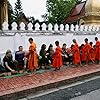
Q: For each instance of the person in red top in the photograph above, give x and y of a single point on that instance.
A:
(92, 53)
(76, 53)
(97, 50)
(82, 53)
(57, 57)
(86, 50)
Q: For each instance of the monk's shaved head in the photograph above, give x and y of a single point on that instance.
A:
(30, 39)
(74, 40)
(96, 38)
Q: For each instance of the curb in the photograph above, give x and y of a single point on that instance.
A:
(24, 93)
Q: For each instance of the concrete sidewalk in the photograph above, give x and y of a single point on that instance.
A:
(15, 87)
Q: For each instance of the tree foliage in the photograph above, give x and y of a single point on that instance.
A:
(58, 10)
(17, 10)
(10, 14)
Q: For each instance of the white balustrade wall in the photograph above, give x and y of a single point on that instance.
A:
(11, 39)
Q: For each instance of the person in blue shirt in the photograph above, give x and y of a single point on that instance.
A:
(20, 58)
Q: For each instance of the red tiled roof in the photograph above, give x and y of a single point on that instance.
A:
(77, 12)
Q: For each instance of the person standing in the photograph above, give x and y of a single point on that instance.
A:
(32, 56)
(97, 50)
(87, 48)
(57, 57)
(82, 54)
(76, 53)
(75, 43)
(92, 53)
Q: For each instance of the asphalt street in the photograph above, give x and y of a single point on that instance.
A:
(83, 90)
(94, 95)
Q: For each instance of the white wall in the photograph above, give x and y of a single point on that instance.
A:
(40, 36)
(12, 42)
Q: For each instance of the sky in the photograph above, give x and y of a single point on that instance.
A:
(34, 8)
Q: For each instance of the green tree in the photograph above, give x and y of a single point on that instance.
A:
(10, 14)
(58, 10)
(17, 10)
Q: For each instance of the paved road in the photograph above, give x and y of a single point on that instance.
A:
(94, 95)
(84, 89)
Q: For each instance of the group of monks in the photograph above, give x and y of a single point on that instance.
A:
(84, 54)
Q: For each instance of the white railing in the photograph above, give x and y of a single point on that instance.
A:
(48, 34)
(76, 29)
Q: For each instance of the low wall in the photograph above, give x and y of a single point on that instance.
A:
(12, 42)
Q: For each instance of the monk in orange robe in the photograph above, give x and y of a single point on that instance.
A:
(76, 53)
(33, 57)
(82, 53)
(86, 49)
(76, 44)
(92, 53)
(97, 50)
(57, 57)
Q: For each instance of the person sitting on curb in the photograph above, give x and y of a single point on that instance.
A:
(21, 59)
(8, 62)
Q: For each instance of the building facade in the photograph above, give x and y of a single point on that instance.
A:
(87, 13)
(3, 11)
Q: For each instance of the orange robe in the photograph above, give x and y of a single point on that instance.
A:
(83, 57)
(57, 58)
(76, 54)
(97, 51)
(33, 57)
(76, 44)
(86, 49)
(92, 54)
